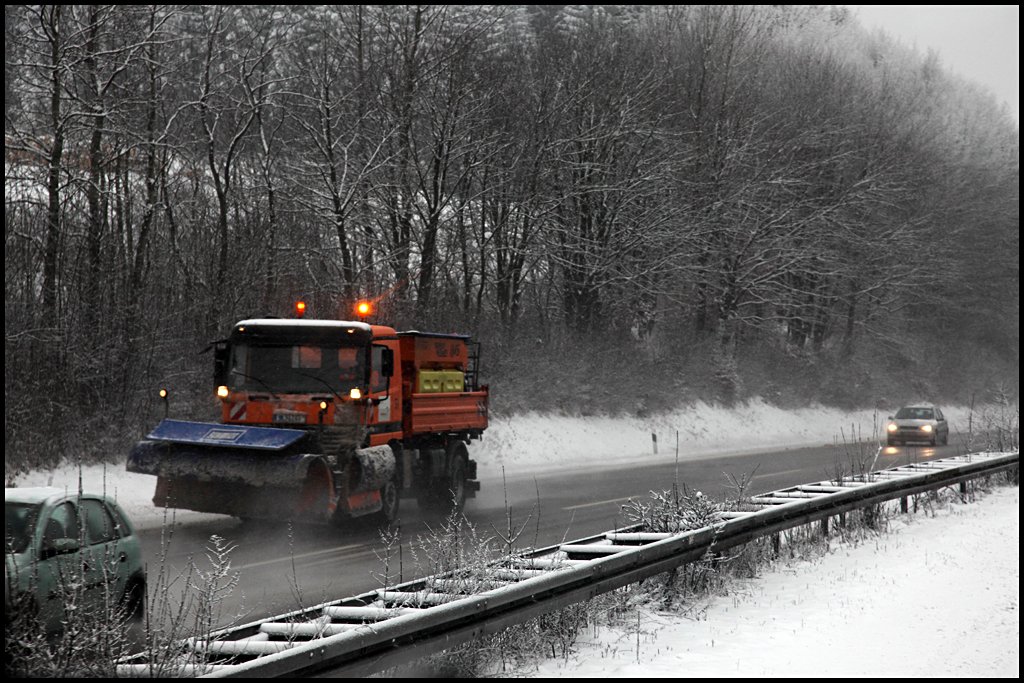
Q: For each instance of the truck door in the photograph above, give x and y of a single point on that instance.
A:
(385, 392)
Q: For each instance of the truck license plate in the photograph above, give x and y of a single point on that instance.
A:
(290, 418)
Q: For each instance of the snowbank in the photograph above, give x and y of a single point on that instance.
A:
(547, 442)
(939, 596)
(536, 443)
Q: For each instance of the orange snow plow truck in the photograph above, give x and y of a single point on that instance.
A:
(324, 421)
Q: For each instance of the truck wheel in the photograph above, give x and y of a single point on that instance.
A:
(389, 499)
(455, 491)
(447, 494)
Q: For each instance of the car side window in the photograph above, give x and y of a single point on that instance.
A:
(121, 527)
(99, 525)
(62, 523)
(938, 415)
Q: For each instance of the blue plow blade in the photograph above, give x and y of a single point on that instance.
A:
(233, 436)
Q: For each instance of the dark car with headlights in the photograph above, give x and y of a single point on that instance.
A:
(69, 551)
(917, 423)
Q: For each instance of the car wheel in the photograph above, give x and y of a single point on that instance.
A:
(21, 625)
(134, 600)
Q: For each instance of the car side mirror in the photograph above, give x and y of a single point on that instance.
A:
(60, 546)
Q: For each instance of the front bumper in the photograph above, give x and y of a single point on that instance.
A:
(905, 434)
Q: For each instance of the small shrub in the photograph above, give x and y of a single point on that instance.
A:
(673, 511)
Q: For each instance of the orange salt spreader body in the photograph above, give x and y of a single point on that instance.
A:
(326, 420)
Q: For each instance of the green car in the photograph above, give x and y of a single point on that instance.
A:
(69, 554)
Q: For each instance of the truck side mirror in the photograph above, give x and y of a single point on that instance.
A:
(221, 356)
(387, 363)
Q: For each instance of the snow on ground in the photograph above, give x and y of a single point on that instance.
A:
(938, 596)
(546, 442)
(533, 443)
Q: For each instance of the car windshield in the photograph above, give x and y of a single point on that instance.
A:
(915, 414)
(20, 522)
(297, 369)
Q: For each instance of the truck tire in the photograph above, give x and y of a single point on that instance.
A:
(455, 490)
(447, 494)
(390, 499)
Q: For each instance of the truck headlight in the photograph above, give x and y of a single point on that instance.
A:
(222, 391)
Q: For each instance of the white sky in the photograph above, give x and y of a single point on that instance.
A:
(979, 42)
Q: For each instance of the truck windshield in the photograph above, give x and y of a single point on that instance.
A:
(297, 369)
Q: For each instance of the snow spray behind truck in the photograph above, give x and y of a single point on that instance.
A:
(326, 420)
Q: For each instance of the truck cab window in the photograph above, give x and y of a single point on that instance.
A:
(306, 357)
(378, 382)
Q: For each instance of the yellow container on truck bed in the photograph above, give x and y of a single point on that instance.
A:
(440, 381)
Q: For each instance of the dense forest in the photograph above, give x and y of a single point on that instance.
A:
(632, 207)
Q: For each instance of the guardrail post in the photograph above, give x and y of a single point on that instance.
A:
(870, 514)
(776, 545)
(904, 507)
(963, 490)
(824, 528)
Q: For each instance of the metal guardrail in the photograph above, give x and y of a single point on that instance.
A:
(386, 628)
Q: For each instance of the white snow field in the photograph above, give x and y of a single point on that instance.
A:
(938, 596)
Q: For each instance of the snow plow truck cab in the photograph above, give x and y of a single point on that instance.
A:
(325, 420)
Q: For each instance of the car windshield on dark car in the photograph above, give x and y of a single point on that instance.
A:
(915, 414)
(19, 523)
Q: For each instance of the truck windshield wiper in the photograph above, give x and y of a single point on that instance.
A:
(322, 381)
(258, 381)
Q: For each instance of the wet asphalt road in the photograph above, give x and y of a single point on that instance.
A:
(280, 568)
